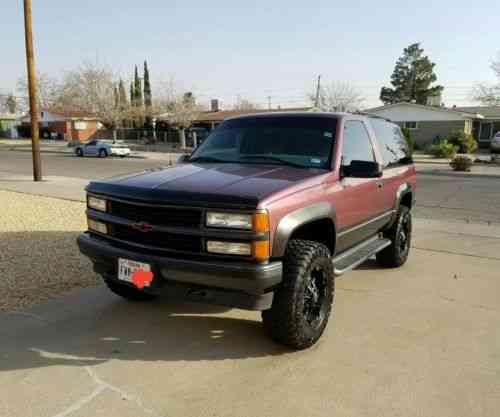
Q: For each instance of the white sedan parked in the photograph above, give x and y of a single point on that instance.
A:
(102, 149)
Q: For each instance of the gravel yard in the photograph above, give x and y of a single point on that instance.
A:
(39, 258)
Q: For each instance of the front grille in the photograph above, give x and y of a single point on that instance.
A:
(161, 240)
(161, 216)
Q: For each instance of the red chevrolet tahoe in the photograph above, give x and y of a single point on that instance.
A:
(262, 216)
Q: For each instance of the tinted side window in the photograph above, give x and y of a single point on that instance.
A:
(392, 144)
(357, 145)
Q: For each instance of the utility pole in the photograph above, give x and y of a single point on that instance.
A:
(30, 61)
(318, 90)
(269, 102)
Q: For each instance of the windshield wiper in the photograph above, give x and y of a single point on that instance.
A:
(273, 158)
(208, 159)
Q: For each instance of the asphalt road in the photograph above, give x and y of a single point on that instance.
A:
(71, 166)
(440, 194)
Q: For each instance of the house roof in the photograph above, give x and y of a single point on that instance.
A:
(455, 111)
(489, 112)
(219, 116)
(71, 113)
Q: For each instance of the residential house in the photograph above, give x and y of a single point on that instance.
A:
(210, 119)
(66, 124)
(484, 129)
(428, 123)
(8, 125)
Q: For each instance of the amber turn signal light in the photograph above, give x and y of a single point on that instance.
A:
(261, 222)
(260, 250)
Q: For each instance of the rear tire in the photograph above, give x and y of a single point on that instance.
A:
(303, 303)
(396, 254)
(127, 292)
(103, 153)
(79, 152)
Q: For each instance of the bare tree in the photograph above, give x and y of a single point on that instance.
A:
(90, 88)
(489, 94)
(9, 104)
(47, 89)
(182, 115)
(165, 94)
(338, 96)
(178, 107)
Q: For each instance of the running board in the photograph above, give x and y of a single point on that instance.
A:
(351, 258)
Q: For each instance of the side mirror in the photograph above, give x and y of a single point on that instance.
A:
(362, 169)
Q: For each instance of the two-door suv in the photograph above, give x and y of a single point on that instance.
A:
(262, 216)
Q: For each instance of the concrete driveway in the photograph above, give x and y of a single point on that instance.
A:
(423, 340)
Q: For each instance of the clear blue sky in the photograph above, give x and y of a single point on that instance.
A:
(257, 48)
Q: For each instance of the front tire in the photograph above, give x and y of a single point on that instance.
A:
(396, 254)
(103, 153)
(79, 152)
(127, 292)
(303, 303)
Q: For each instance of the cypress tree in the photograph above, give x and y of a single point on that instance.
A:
(148, 101)
(132, 98)
(122, 95)
(137, 89)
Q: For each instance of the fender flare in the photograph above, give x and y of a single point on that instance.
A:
(404, 189)
(293, 220)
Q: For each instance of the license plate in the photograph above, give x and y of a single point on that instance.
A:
(127, 267)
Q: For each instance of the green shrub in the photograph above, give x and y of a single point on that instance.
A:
(443, 149)
(465, 142)
(409, 140)
(461, 163)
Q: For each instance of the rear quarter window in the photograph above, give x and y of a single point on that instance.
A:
(392, 144)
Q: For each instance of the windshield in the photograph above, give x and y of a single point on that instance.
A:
(303, 141)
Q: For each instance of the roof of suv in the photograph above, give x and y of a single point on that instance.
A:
(289, 114)
(325, 115)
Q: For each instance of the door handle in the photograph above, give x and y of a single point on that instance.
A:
(380, 184)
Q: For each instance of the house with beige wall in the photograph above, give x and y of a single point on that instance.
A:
(427, 123)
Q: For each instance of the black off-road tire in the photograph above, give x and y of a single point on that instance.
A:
(287, 320)
(79, 152)
(396, 254)
(103, 153)
(127, 292)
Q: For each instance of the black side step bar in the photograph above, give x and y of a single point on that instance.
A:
(351, 258)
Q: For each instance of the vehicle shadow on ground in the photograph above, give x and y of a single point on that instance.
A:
(162, 330)
(91, 325)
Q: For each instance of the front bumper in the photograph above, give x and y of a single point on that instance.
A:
(120, 152)
(234, 284)
(495, 146)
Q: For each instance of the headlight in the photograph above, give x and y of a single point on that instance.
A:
(96, 203)
(229, 248)
(229, 220)
(97, 226)
(258, 222)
